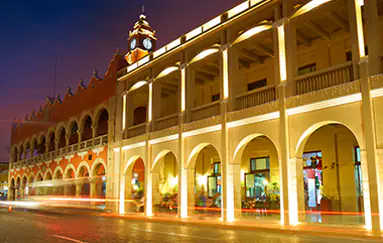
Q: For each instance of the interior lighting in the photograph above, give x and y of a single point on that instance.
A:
(308, 7)
(193, 33)
(225, 62)
(137, 85)
(238, 9)
(204, 54)
(167, 71)
(282, 53)
(214, 22)
(201, 180)
(263, 26)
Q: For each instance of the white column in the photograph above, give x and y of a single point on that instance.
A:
(148, 156)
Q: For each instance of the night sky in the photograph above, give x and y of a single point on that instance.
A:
(84, 35)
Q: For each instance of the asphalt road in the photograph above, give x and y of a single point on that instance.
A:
(20, 226)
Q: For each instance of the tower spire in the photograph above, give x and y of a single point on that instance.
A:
(143, 9)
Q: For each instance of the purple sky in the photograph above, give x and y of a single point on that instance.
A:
(84, 36)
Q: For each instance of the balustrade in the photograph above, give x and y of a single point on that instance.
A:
(255, 97)
(167, 121)
(325, 78)
(205, 111)
(136, 130)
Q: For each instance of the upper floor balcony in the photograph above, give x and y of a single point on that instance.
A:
(321, 54)
(75, 135)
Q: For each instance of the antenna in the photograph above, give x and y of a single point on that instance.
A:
(143, 9)
(54, 78)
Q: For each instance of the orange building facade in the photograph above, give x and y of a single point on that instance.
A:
(62, 149)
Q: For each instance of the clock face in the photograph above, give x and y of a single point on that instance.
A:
(133, 44)
(148, 44)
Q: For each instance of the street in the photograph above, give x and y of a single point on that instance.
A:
(22, 226)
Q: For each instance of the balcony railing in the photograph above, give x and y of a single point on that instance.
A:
(101, 140)
(136, 130)
(325, 78)
(255, 97)
(205, 111)
(167, 121)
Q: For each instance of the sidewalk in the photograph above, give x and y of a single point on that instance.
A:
(301, 229)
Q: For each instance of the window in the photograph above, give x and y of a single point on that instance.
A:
(307, 69)
(257, 180)
(215, 97)
(358, 173)
(214, 182)
(312, 177)
(257, 84)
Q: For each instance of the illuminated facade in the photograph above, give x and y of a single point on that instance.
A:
(269, 111)
(62, 149)
(266, 112)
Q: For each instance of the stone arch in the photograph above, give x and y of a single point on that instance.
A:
(99, 109)
(71, 120)
(86, 127)
(162, 154)
(24, 181)
(84, 115)
(61, 135)
(51, 139)
(196, 150)
(101, 122)
(71, 130)
(15, 153)
(131, 161)
(96, 163)
(21, 151)
(31, 177)
(48, 173)
(82, 165)
(67, 169)
(18, 181)
(39, 176)
(34, 144)
(311, 129)
(245, 141)
(57, 170)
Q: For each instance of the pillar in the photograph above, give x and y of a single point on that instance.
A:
(190, 172)
(94, 132)
(79, 184)
(156, 103)
(373, 198)
(373, 37)
(148, 154)
(93, 187)
(237, 190)
(353, 20)
(190, 92)
(79, 133)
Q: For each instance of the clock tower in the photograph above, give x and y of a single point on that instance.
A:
(141, 41)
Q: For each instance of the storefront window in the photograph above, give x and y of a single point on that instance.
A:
(313, 180)
(214, 183)
(256, 181)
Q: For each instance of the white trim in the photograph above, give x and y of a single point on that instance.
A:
(202, 130)
(254, 119)
(132, 146)
(164, 139)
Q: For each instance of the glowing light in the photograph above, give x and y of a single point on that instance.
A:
(135, 187)
(132, 146)
(204, 54)
(143, 61)
(254, 2)
(225, 67)
(137, 85)
(293, 194)
(116, 150)
(104, 178)
(325, 104)
(282, 53)
(265, 182)
(124, 112)
(148, 195)
(238, 9)
(253, 31)
(159, 52)
(132, 67)
(361, 2)
(173, 44)
(308, 7)
(201, 180)
(164, 139)
(359, 27)
(167, 71)
(184, 194)
(214, 22)
(193, 33)
(183, 89)
(255, 119)
(202, 131)
(150, 105)
(122, 195)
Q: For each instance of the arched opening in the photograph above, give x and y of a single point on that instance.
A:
(51, 145)
(41, 148)
(21, 155)
(18, 184)
(48, 189)
(27, 150)
(330, 178)
(31, 188)
(205, 183)
(24, 187)
(59, 189)
(165, 185)
(102, 128)
(259, 180)
(62, 138)
(73, 135)
(70, 187)
(134, 186)
(100, 183)
(12, 189)
(34, 147)
(15, 154)
(85, 186)
(87, 132)
(139, 115)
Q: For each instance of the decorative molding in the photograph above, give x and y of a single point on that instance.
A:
(376, 81)
(69, 157)
(98, 150)
(164, 132)
(82, 154)
(204, 123)
(324, 94)
(253, 111)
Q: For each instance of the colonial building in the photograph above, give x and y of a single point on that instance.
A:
(61, 149)
(267, 112)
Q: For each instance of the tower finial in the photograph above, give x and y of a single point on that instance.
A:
(143, 9)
